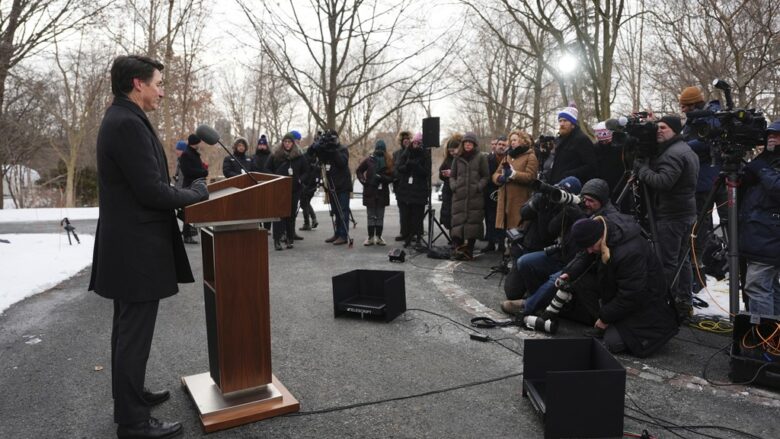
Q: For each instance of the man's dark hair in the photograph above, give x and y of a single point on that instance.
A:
(126, 68)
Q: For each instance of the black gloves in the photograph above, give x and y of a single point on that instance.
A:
(199, 186)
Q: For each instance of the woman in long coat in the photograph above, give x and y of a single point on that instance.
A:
(468, 178)
(514, 176)
(375, 173)
(445, 169)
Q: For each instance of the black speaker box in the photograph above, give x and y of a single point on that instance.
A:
(378, 294)
(750, 358)
(431, 132)
(576, 385)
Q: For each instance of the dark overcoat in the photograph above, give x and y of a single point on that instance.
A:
(412, 171)
(468, 180)
(138, 254)
(376, 183)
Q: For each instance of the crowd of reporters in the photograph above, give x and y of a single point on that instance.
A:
(566, 212)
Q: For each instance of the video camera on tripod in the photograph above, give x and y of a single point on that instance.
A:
(739, 132)
(635, 133)
(325, 142)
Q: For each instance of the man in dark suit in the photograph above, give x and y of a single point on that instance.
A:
(139, 256)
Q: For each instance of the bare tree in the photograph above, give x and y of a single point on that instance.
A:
(338, 48)
(76, 101)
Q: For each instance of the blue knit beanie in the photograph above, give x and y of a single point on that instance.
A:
(571, 185)
(181, 145)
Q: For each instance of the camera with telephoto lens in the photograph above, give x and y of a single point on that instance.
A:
(739, 132)
(634, 133)
(554, 193)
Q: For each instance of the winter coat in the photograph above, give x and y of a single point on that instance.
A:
(376, 182)
(560, 227)
(515, 192)
(231, 168)
(311, 180)
(491, 204)
(291, 164)
(634, 295)
(445, 214)
(671, 180)
(537, 214)
(139, 254)
(610, 167)
(574, 157)
(336, 164)
(259, 160)
(412, 172)
(759, 212)
(468, 180)
(708, 172)
(192, 167)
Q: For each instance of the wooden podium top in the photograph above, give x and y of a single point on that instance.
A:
(239, 200)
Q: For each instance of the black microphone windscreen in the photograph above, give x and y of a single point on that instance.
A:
(612, 124)
(207, 134)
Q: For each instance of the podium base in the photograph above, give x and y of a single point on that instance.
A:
(219, 411)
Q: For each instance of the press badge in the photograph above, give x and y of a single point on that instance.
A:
(289, 171)
(411, 179)
(380, 186)
(327, 167)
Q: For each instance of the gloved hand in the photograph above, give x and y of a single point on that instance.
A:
(501, 179)
(756, 166)
(508, 171)
(640, 163)
(562, 282)
(199, 186)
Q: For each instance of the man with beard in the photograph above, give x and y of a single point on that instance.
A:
(573, 155)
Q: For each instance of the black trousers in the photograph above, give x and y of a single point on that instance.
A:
(286, 226)
(412, 216)
(131, 341)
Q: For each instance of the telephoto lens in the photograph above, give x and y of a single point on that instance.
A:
(535, 323)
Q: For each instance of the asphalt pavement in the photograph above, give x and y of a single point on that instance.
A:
(418, 376)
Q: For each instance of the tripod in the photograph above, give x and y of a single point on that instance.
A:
(729, 176)
(503, 267)
(632, 182)
(338, 214)
(430, 212)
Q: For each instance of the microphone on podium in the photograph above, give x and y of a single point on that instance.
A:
(211, 137)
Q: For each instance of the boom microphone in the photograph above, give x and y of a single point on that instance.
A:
(211, 137)
(616, 124)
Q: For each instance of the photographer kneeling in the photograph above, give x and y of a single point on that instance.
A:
(635, 314)
(535, 268)
(759, 227)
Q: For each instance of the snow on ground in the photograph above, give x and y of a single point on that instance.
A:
(33, 263)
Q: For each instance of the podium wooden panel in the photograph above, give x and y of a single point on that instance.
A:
(239, 387)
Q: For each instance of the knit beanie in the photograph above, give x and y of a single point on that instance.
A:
(596, 188)
(691, 95)
(674, 123)
(470, 136)
(570, 114)
(193, 139)
(181, 145)
(379, 145)
(774, 127)
(262, 140)
(571, 185)
(587, 231)
(296, 135)
(289, 136)
(603, 135)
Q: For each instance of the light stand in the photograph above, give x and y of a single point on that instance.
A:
(431, 212)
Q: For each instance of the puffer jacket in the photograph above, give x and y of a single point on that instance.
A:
(759, 212)
(468, 180)
(671, 179)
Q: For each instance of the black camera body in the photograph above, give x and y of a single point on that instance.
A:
(325, 142)
(635, 132)
(740, 129)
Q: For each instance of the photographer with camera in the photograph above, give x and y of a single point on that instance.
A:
(670, 177)
(635, 314)
(537, 269)
(573, 154)
(700, 118)
(759, 227)
(334, 158)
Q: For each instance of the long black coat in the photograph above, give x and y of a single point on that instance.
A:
(292, 164)
(468, 180)
(445, 216)
(412, 171)
(191, 166)
(574, 157)
(139, 254)
(633, 289)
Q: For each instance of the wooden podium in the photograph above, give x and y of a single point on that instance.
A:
(239, 387)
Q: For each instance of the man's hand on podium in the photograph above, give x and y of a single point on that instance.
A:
(199, 186)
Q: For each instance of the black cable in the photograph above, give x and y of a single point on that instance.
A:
(654, 418)
(722, 384)
(401, 398)
(693, 427)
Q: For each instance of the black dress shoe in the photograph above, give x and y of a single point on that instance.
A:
(149, 429)
(154, 398)
(298, 238)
